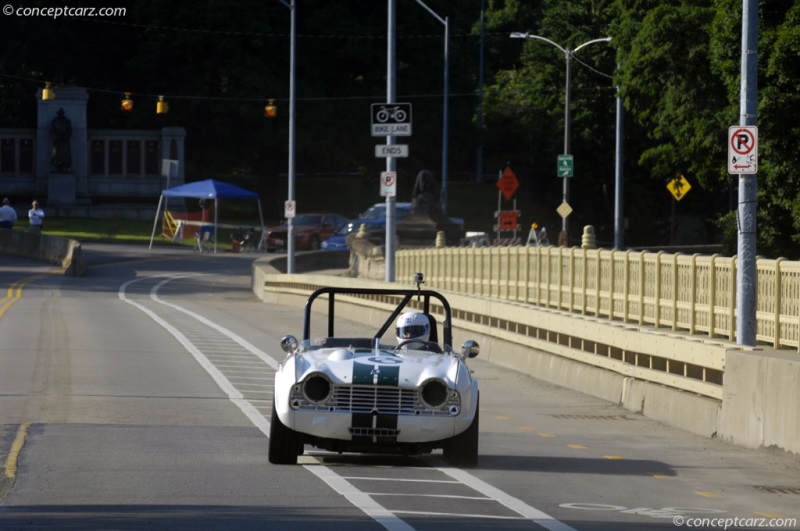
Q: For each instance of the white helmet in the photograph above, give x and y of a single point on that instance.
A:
(413, 325)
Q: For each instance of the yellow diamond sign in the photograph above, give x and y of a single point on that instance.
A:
(564, 209)
(679, 187)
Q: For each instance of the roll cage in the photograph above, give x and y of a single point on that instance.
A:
(405, 295)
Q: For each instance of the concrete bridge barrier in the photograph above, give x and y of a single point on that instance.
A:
(711, 387)
(63, 252)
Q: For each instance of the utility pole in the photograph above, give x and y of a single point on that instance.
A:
(746, 274)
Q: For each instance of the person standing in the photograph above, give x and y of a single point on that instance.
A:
(36, 217)
(8, 216)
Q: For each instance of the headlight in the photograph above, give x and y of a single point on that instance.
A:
(317, 388)
(434, 394)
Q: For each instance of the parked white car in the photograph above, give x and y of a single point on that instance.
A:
(370, 395)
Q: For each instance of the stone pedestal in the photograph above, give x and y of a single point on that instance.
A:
(61, 189)
(419, 227)
(72, 101)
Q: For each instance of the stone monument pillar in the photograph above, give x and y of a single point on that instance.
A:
(173, 140)
(61, 147)
(420, 227)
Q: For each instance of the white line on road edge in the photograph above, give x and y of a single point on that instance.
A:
(234, 395)
(516, 505)
(359, 499)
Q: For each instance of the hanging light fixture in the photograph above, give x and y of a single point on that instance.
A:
(162, 107)
(271, 110)
(127, 103)
(47, 92)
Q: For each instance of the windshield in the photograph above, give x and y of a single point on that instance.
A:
(345, 230)
(379, 211)
(375, 212)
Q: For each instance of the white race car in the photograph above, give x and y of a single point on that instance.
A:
(406, 397)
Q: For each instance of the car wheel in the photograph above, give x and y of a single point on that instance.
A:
(313, 243)
(462, 450)
(284, 444)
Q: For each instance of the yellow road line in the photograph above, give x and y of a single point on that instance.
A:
(16, 448)
(707, 494)
(14, 292)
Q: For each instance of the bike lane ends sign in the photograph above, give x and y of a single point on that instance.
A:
(391, 119)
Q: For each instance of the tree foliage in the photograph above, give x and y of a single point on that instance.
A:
(676, 65)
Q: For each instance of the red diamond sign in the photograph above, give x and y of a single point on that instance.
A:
(508, 183)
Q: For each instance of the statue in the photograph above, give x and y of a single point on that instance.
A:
(61, 130)
(425, 194)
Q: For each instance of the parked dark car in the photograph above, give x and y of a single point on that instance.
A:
(374, 218)
(310, 230)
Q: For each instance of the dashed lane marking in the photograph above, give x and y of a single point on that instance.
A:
(252, 409)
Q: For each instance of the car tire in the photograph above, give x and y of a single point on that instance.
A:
(462, 450)
(284, 444)
(313, 243)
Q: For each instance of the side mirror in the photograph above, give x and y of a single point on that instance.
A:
(288, 344)
(470, 349)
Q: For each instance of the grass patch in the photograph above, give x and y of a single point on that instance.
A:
(99, 230)
(474, 202)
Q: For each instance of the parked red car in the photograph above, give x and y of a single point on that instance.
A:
(310, 230)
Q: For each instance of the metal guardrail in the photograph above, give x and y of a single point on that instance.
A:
(691, 293)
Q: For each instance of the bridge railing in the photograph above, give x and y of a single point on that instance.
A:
(691, 293)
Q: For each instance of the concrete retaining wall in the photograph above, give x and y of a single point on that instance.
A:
(63, 252)
(759, 393)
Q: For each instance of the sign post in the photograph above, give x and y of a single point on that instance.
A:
(390, 119)
(508, 221)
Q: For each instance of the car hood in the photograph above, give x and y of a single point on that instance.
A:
(378, 366)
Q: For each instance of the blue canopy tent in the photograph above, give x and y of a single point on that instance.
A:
(208, 189)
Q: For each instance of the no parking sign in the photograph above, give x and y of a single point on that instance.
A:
(388, 184)
(743, 149)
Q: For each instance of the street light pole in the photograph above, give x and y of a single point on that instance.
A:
(290, 247)
(445, 130)
(567, 97)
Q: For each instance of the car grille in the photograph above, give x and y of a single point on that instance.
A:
(370, 399)
(367, 399)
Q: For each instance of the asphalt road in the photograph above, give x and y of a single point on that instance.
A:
(138, 397)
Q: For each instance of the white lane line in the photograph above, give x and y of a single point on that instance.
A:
(516, 505)
(361, 500)
(224, 331)
(400, 480)
(461, 515)
(234, 395)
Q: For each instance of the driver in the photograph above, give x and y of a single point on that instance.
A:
(413, 325)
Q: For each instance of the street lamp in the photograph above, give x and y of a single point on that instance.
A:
(568, 56)
(445, 22)
(292, 74)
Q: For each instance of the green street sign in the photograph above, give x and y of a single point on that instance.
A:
(565, 166)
